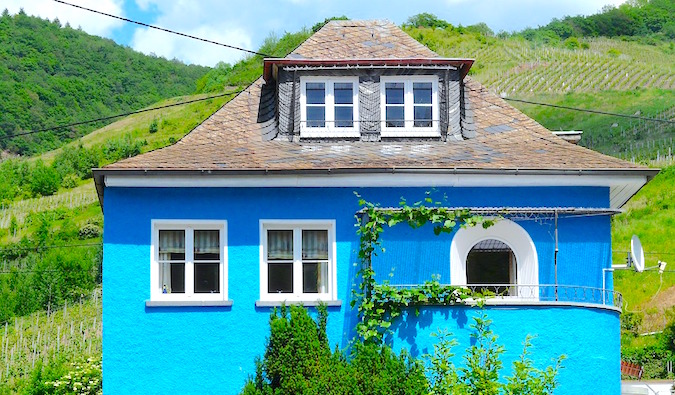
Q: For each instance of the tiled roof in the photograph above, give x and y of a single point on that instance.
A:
(231, 138)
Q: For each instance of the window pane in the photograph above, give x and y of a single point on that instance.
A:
(344, 117)
(207, 277)
(207, 245)
(394, 92)
(280, 278)
(316, 116)
(423, 116)
(176, 283)
(314, 244)
(315, 277)
(395, 116)
(344, 93)
(316, 93)
(171, 245)
(279, 244)
(422, 92)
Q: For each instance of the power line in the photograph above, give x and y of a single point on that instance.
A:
(115, 116)
(165, 30)
(50, 246)
(591, 111)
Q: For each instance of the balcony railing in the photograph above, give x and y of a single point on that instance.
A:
(544, 293)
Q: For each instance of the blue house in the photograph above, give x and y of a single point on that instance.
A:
(256, 207)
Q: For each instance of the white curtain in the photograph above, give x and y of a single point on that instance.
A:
(207, 242)
(171, 242)
(280, 244)
(314, 244)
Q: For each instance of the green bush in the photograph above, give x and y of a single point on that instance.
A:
(482, 366)
(77, 161)
(121, 148)
(83, 379)
(44, 180)
(153, 128)
(298, 360)
(70, 181)
(89, 231)
(571, 43)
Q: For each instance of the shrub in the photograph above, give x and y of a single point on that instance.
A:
(153, 126)
(631, 322)
(121, 148)
(571, 43)
(70, 181)
(298, 360)
(482, 366)
(84, 379)
(89, 231)
(44, 180)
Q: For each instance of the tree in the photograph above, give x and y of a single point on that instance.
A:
(44, 181)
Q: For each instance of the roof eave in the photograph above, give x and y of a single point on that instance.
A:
(101, 173)
(271, 65)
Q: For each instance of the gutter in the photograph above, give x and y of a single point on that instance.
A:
(101, 173)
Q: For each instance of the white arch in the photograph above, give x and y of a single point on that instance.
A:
(507, 232)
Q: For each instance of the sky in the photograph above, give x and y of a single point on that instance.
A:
(247, 23)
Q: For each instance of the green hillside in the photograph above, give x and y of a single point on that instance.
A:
(52, 75)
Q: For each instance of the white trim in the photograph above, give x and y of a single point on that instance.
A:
(329, 130)
(189, 295)
(409, 130)
(626, 185)
(509, 233)
(298, 296)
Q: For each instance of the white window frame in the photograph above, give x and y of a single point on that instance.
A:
(189, 226)
(298, 226)
(409, 130)
(330, 130)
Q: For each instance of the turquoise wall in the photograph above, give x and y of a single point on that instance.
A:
(211, 349)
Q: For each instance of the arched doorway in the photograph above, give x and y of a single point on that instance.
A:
(492, 262)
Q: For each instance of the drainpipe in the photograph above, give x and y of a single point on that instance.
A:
(604, 280)
(555, 255)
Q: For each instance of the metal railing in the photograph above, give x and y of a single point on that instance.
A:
(542, 293)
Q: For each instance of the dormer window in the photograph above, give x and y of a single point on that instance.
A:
(329, 107)
(409, 106)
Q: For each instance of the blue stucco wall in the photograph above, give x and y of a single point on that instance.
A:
(204, 350)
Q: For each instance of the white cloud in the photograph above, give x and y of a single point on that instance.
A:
(192, 51)
(206, 19)
(91, 23)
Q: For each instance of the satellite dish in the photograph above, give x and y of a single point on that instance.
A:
(637, 254)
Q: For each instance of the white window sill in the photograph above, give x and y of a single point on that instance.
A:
(324, 133)
(188, 303)
(306, 303)
(410, 133)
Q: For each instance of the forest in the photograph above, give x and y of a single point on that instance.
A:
(52, 75)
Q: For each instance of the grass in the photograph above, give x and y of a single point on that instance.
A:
(651, 216)
(71, 333)
(612, 135)
(172, 124)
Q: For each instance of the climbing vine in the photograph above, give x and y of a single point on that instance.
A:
(378, 304)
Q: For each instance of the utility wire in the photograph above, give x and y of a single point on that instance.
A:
(591, 111)
(50, 246)
(116, 116)
(166, 30)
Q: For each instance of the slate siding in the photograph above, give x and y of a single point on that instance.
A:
(452, 114)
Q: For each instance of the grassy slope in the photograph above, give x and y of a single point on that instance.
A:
(651, 216)
(173, 123)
